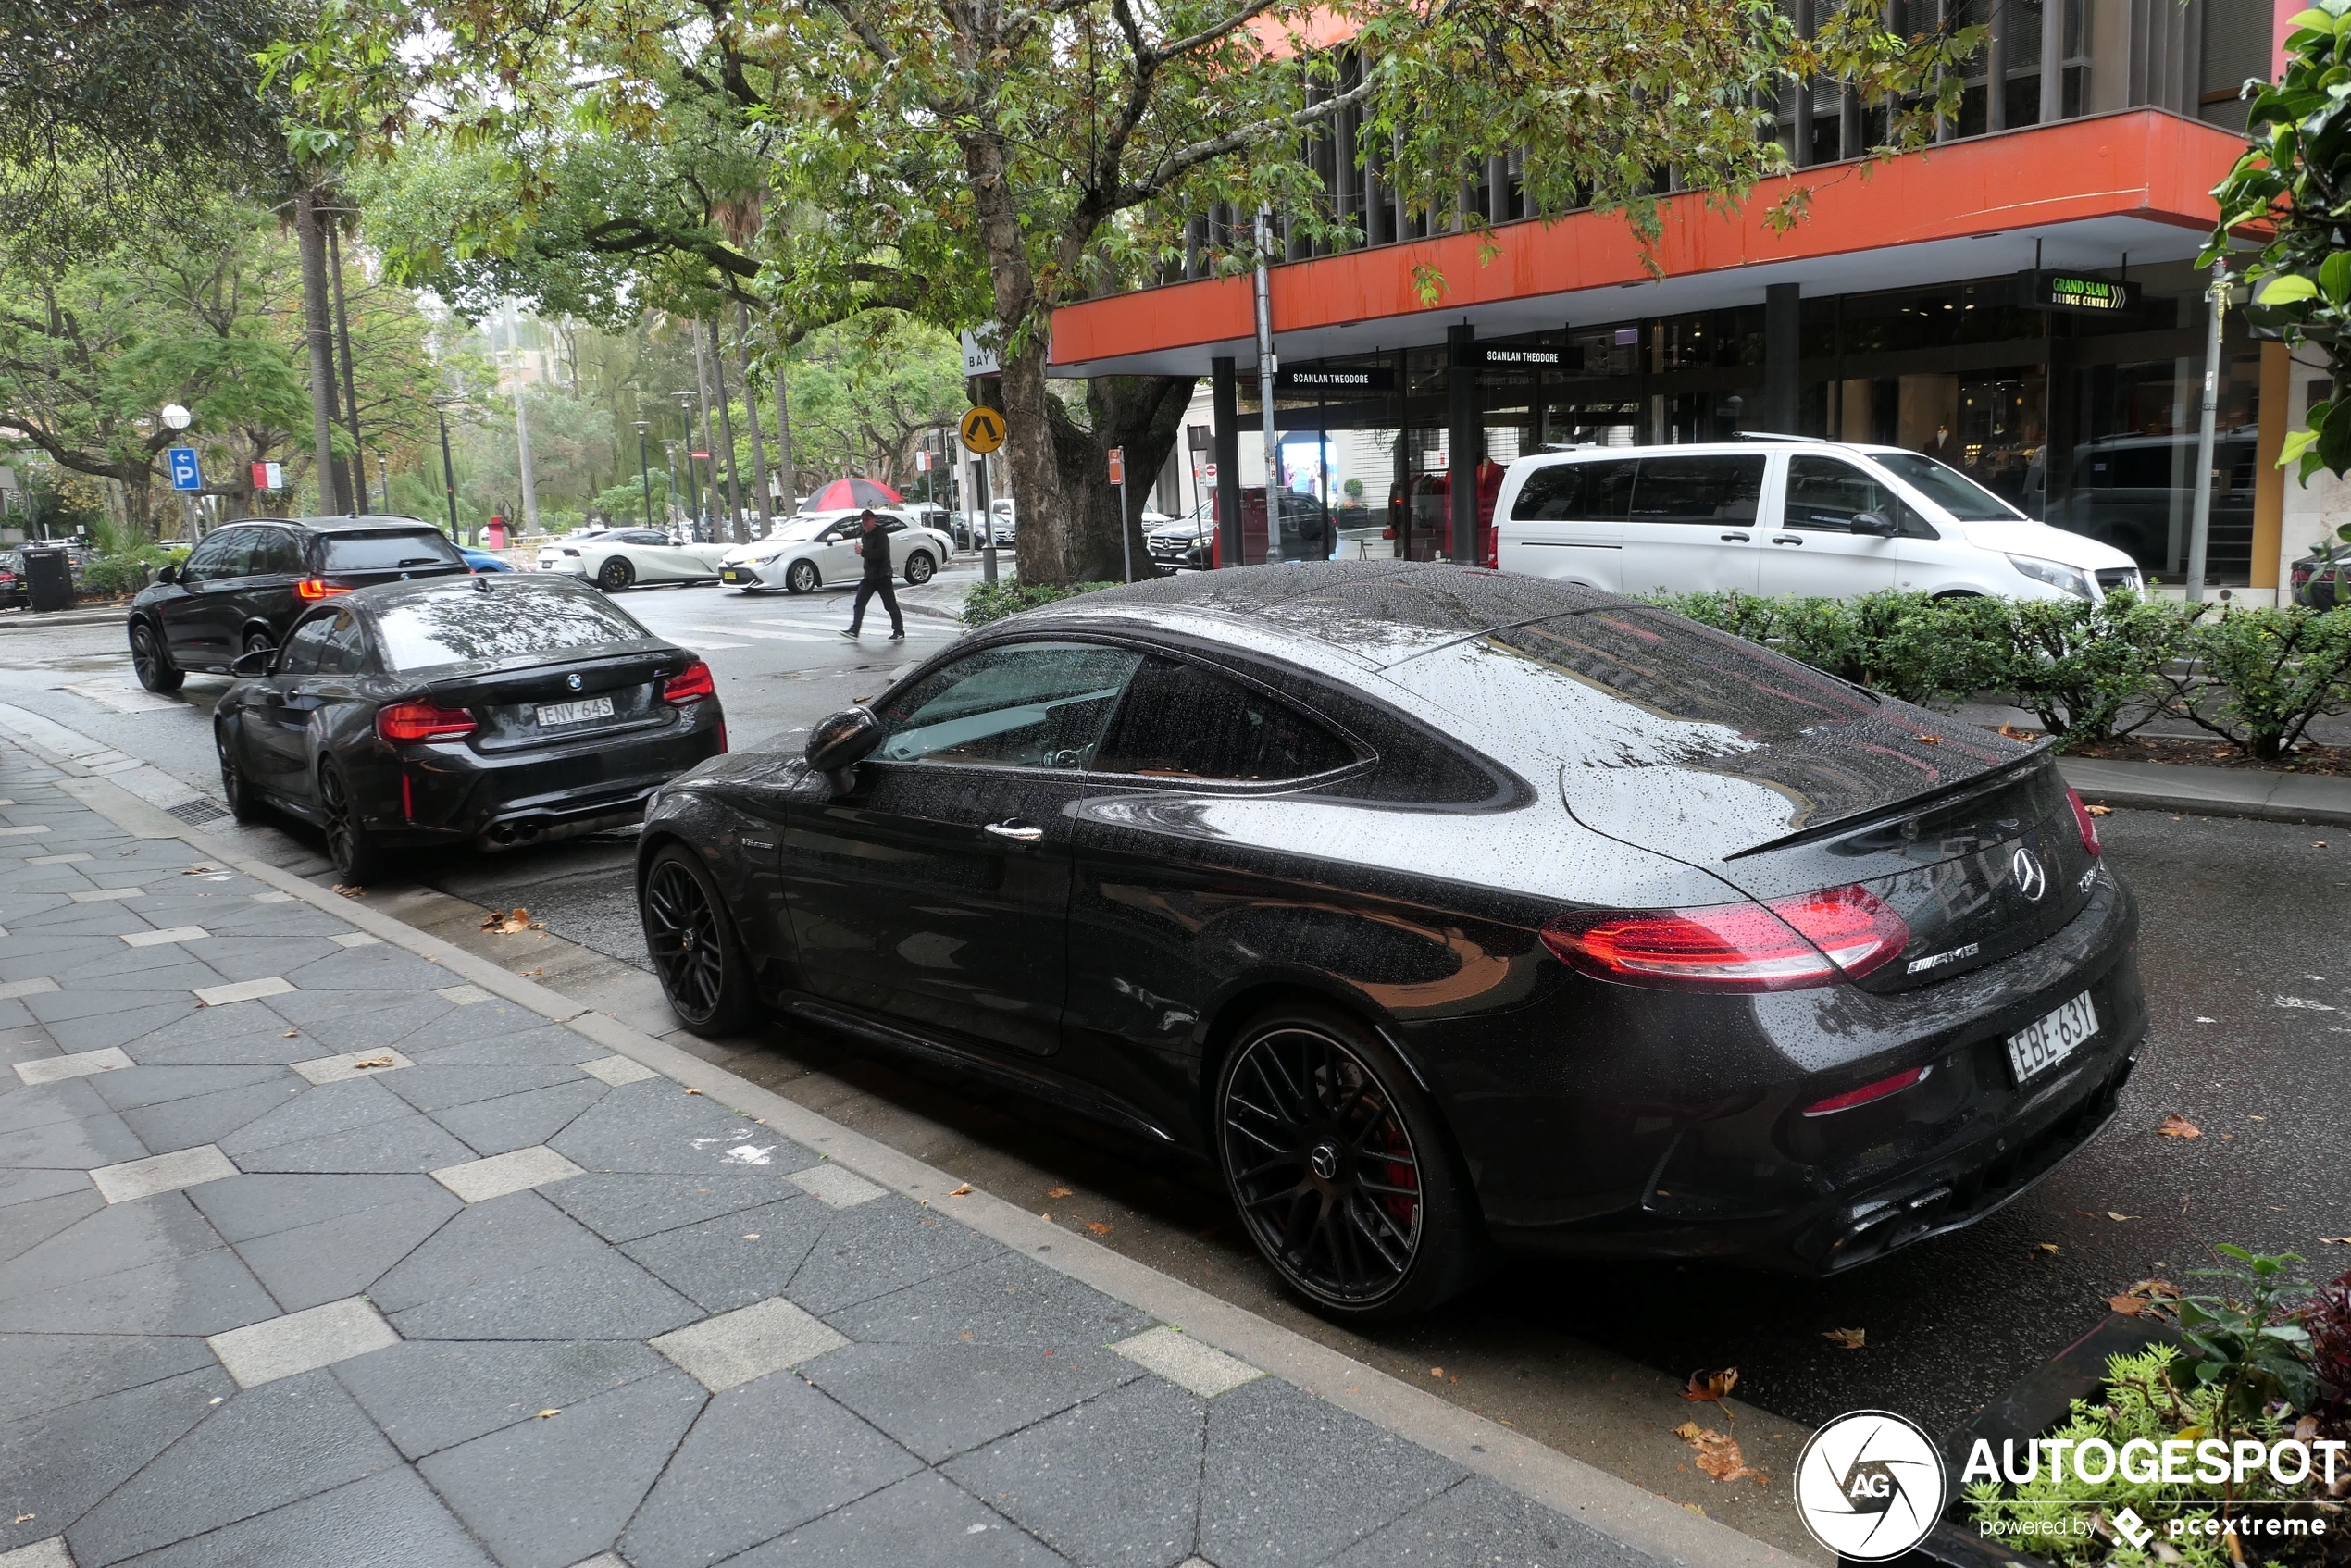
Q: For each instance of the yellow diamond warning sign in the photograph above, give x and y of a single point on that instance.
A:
(982, 429)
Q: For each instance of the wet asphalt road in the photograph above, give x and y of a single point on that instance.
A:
(2246, 952)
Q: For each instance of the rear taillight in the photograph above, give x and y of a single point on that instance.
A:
(318, 588)
(1810, 939)
(404, 722)
(688, 685)
(1893, 1084)
(2086, 822)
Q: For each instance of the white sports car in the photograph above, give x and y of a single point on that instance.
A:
(625, 557)
(803, 552)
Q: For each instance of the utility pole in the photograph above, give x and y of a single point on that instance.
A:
(321, 342)
(726, 433)
(2200, 521)
(644, 475)
(522, 424)
(448, 469)
(686, 422)
(750, 418)
(702, 391)
(350, 381)
(1268, 368)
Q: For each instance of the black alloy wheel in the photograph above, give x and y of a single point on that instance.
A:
(615, 575)
(349, 845)
(257, 641)
(1342, 1176)
(801, 577)
(151, 661)
(919, 566)
(243, 805)
(702, 969)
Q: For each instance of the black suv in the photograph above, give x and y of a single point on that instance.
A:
(245, 584)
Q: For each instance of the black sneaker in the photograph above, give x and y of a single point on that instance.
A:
(898, 637)
(848, 631)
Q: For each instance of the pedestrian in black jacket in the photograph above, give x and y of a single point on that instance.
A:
(873, 545)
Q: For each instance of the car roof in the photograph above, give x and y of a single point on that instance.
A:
(382, 593)
(1711, 448)
(367, 523)
(1375, 613)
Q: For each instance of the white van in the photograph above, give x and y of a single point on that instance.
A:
(1785, 515)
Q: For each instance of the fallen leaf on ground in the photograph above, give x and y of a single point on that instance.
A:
(1718, 1456)
(2050, 1248)
(1057, 1192)
(2176, 1125)
(963, 1191)
(2106, 811)
(200, 870)
(1045, 1216)
(351, 892)
(2118, 1218)
(1851, 1338)
(506, 925)
(2147, 1296)
(1437, 1372)
(528, 973)
(1705, 1385)
(1098, 1227)
(289, 1034)
(1928, 740)
(372, 1061)
(694, 1091)
(545, 1414)
(2334, 1241)
(1688, 1431)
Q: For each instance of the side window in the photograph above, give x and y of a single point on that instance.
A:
(1698, 489)
(220, 556)
(1029, 705)
(1180, 721)
(277, 552)
(1823, 494)
(894, 525)
(1598, 492)
(304, 647)
(345, 649)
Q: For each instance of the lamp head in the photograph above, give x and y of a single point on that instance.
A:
(176, 417)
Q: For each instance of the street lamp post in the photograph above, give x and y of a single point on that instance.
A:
(643, 475)
(671, 448)
(176, 419)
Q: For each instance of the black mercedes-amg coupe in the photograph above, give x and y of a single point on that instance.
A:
(1443, 910)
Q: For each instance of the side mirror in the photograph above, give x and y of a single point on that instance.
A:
(1876, 523)
(167, 573)
(246, 666)
(838, 744)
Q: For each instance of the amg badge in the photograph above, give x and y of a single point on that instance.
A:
(1936, 960)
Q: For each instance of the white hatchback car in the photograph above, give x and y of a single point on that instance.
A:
(1784, 517)
(802, 553)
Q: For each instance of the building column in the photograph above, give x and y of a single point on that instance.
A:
(1996, 72)
(1802, 130)
(2062, 423)
(1463, 436)
(1783, 358)
(2053, 60)
(1226, 408)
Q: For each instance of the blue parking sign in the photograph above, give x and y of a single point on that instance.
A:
(185, 474)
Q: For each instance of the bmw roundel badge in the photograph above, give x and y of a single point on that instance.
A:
(573, 681)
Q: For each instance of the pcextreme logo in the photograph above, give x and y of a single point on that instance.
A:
(1870, 1486)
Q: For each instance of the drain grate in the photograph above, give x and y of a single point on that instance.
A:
(198, 812)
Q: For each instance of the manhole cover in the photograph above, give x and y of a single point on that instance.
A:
(198, 812)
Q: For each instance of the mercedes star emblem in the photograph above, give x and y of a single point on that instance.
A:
(2031, 880)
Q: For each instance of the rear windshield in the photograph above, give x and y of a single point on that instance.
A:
(1947, 488)
(389, 552)
(1688, 673)
(447, 629)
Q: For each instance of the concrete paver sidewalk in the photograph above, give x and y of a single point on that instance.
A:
(356, 1263)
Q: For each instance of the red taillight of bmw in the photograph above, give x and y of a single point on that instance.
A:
(1789, 943)
(688, 685)
(2086, 822)
(1894, 1083)
(408, 722)
(318, 588)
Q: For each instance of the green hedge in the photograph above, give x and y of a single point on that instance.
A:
(993, 600)
(2256, 677)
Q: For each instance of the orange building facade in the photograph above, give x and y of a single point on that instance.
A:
(2018, 303)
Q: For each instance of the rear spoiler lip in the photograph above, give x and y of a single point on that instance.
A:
(1837, 827)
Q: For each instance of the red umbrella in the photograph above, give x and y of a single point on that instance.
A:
(843, 494)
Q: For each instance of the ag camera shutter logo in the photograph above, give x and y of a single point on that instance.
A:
(1870, 1486)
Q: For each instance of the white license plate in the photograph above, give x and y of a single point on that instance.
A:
(574, 713)
(2040, 1046)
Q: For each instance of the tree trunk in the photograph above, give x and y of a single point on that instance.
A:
(751, 417)
(787, 469)
(725, 433)
(1144, 415)
(322, 360)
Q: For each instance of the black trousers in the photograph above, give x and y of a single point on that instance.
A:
(866, 589)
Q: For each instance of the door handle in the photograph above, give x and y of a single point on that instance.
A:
(1786, 538)
(1017, 831)
(1734, 538)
